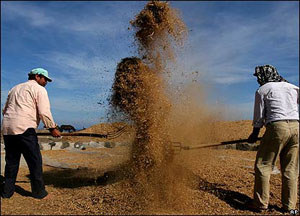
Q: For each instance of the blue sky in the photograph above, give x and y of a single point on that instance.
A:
(80, 44)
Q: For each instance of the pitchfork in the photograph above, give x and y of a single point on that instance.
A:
(110, 135)
(178, 146)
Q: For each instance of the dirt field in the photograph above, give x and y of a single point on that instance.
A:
(220, 181)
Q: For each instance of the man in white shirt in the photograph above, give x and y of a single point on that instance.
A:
(277, 107)
(27, 104)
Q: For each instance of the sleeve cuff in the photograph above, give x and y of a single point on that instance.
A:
(51, 129)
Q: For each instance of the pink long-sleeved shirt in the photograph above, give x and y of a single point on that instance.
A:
(27, 104)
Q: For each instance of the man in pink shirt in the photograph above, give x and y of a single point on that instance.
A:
(27, 104)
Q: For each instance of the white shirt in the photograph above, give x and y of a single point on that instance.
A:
(276, 101)
(27, 104)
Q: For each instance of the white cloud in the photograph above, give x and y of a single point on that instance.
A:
(73, 105)
(227, 52)
(63, 83)
(77, 69)
(94, 23)
(35, 16)
(76, 111)
(75, 62)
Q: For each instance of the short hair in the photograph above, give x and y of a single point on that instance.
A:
(31, 76)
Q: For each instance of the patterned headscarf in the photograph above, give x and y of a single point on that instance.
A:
(267, 73)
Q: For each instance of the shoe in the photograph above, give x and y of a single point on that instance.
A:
(289, 211)
(5, 196)
(49, 196)
(251, 206)
(284, 211)
(41, 195)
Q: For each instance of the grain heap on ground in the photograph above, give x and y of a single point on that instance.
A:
(139, 90)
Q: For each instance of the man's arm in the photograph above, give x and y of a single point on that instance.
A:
(298, 96)
(45, 115)
(258, 117)
(6, 104)
(254, 135)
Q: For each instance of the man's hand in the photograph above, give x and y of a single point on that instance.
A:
(252, 138)
(55, 132)
(254, 135)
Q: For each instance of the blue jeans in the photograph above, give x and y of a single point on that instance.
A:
(27, 145)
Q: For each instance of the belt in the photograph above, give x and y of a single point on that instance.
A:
(285, 120)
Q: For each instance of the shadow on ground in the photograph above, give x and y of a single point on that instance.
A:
(235, 199)
(18, 190)
(70, 178)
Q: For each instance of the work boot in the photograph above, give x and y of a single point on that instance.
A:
(6, 190)
(253, 207)
(40, 195)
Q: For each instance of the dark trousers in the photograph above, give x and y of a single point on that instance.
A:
(27, 145)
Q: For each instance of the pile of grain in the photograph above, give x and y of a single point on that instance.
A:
(139, 91)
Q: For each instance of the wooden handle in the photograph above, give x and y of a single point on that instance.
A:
(76, 134)
(216, 144)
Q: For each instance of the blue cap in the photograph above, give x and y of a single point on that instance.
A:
(40, 71)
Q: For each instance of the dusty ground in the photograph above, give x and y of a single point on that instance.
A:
(222, 180)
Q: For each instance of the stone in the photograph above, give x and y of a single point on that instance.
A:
(79, 145)
(101, 144)
(94, 144)
(65, 145)
(51, 144)
(109, 144)
(57, 146)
